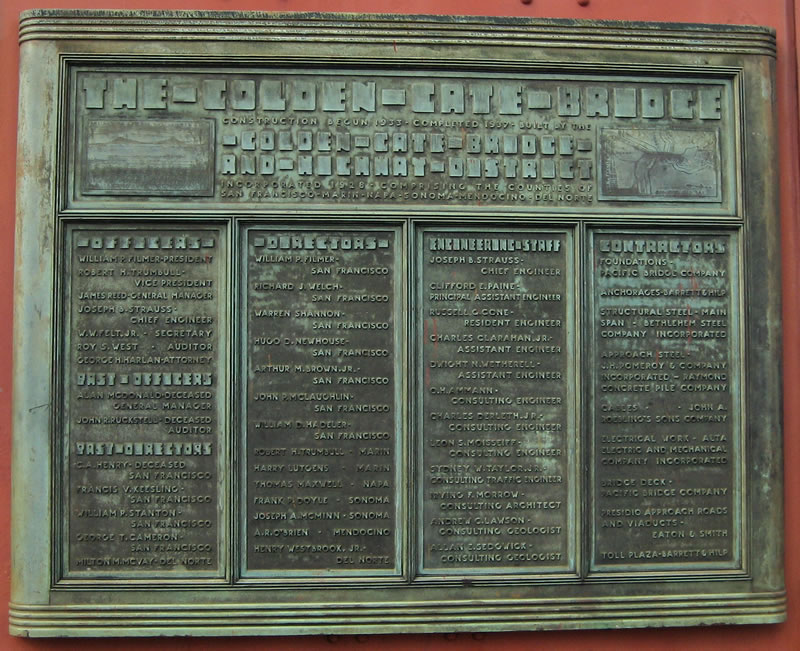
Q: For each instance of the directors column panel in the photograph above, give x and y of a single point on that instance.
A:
(322, 424)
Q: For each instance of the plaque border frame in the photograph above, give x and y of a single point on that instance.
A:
(52, 40)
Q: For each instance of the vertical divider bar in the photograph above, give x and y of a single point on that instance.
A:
(412, 466)
(415, 282)
(239, 339)
(58, 513)
(415, 422)
(233, 391)
(742, 534)
(57, 422)
(580, 405)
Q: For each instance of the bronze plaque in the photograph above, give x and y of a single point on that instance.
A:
(323, 448)
(377, 324)
(144, 452)
(496, 341)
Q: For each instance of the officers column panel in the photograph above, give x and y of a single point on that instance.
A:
(144, 419)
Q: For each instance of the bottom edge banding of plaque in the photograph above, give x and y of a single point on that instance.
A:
(260, 619)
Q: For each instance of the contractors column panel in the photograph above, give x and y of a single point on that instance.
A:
(666, 406)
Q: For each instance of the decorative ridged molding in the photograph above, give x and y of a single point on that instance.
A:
(316, 618)
(397, 30)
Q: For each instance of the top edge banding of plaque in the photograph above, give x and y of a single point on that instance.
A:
(517, 31)
(365, 333)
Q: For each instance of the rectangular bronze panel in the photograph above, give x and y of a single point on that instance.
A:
(666, 405)
(264, 136)
(144, 444)
(497, 460)
(649, 164)
(148, 157)
(321, 488)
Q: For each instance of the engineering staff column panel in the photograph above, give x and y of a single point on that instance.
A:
(396, 340)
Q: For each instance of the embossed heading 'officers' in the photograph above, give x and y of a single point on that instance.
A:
(382, 336)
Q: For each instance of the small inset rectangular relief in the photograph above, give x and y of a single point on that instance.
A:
(660, 165)
(148, 157)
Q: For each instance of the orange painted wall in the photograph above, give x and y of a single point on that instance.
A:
(779, 14)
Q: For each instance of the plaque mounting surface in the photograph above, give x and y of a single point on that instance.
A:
(328, 343)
